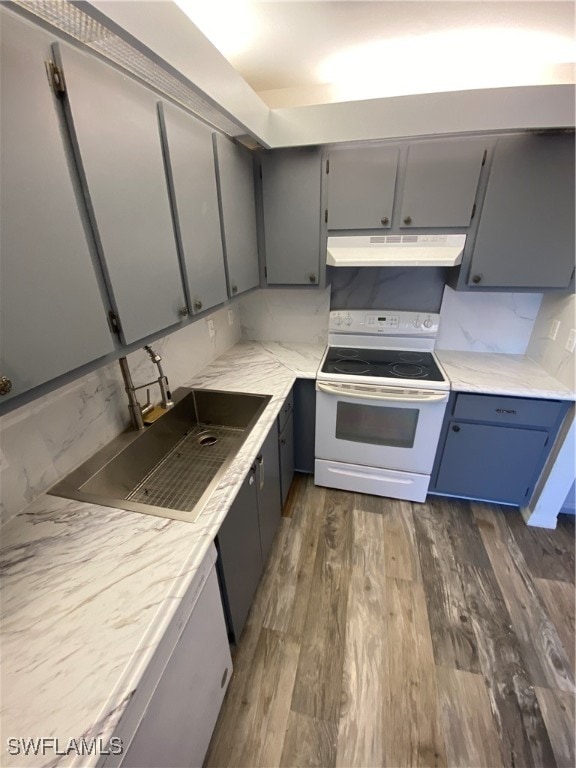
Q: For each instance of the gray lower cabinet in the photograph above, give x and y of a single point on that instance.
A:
(525, 234)
(286, 444)
(304, 425)
(191, 173)
(172, 713)
(246, 535)
(52, 313)
(114, 126)
(236, 195)
(294, 236)
(494, 448)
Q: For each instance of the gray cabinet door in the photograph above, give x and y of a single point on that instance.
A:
(291, 187)
(189, 159)
(176, 727)
(361, 187)
(240, 559)
(286, 442)
(52, 313)
(441, 182)
(235, 175)
(114, 123)
(269, 499)
(490, 462)
(526, 232)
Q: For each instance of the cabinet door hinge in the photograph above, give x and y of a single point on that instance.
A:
(56, 78)
(473, 211)
(326, 216)
(260, 171)
(328, 166)
(114, 322)
(484, 156)
(265, 271)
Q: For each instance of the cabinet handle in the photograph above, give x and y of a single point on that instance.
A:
(407, 219)
(260, 460)
(312, 278)
(455, 428)
(5, 385)
(283, 441)
(234, 288)
(197, 305)
(183, 311)
(385, 221)
(477, 279)
(251, 480)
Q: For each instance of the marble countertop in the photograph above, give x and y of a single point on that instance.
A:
(501, 374)
(88, 591)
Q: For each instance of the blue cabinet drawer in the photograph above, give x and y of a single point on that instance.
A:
(285, 411)
(517, 411)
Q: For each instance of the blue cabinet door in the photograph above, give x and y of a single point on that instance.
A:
(490, 462)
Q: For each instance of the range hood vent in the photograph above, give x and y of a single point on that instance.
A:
(395, 251)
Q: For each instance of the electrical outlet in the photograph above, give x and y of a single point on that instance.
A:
(211, 329)
(571, 341)
(554, 328)
(230, 317)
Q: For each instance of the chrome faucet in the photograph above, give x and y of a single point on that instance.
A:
(137, 411)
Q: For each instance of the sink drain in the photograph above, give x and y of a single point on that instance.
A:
(205, 440)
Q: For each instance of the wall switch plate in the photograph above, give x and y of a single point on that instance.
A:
(554, 328)
(571, 341)
(211, 329)
(230, 317)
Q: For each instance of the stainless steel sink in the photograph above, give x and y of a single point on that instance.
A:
(172, 467)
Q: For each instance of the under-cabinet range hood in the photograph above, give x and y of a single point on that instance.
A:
(395, 250)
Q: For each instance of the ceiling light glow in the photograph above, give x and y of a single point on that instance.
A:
(450, 60)
(230, 25)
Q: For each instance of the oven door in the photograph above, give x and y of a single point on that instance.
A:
(388, 427)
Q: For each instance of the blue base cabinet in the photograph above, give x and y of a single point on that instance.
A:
(494, 448)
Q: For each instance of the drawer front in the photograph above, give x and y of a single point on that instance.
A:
(286, 411)
(508, 410)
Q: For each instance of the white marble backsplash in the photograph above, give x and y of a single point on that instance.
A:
(487, 322)
(43, 441)
(286, 315)
(552, 354)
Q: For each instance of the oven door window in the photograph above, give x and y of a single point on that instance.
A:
(377, 424)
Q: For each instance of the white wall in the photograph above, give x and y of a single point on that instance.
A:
(291, 314)
(43, 441)
(487, 322)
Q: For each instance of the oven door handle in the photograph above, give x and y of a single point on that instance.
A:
(384, 394)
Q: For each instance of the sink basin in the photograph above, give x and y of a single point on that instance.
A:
(171, 468)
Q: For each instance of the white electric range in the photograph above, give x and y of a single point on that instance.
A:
(381, 395)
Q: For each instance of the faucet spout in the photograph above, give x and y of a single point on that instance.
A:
(136, 410)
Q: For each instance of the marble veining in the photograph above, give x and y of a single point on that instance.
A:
(501, 374)
(474, 322)
(286, 314)
(89, 591)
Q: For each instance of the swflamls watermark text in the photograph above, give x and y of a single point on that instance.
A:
(49, 745)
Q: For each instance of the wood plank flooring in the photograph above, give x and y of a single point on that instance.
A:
(386, 633)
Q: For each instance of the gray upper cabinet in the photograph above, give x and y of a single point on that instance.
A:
(440, 183)
(361, 187)
(53, 318)
(235, 177)
(291, 191)
(114, 124)
(526, 231)
(189, 159)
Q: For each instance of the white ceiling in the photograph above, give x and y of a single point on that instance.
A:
(295, 53)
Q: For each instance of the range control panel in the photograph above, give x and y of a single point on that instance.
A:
(384, 322)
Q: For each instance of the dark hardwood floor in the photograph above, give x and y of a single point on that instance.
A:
(386, 633)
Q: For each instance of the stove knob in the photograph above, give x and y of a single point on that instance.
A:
(337, 320)
(427, 323)
(348, 320)
(416, 323)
